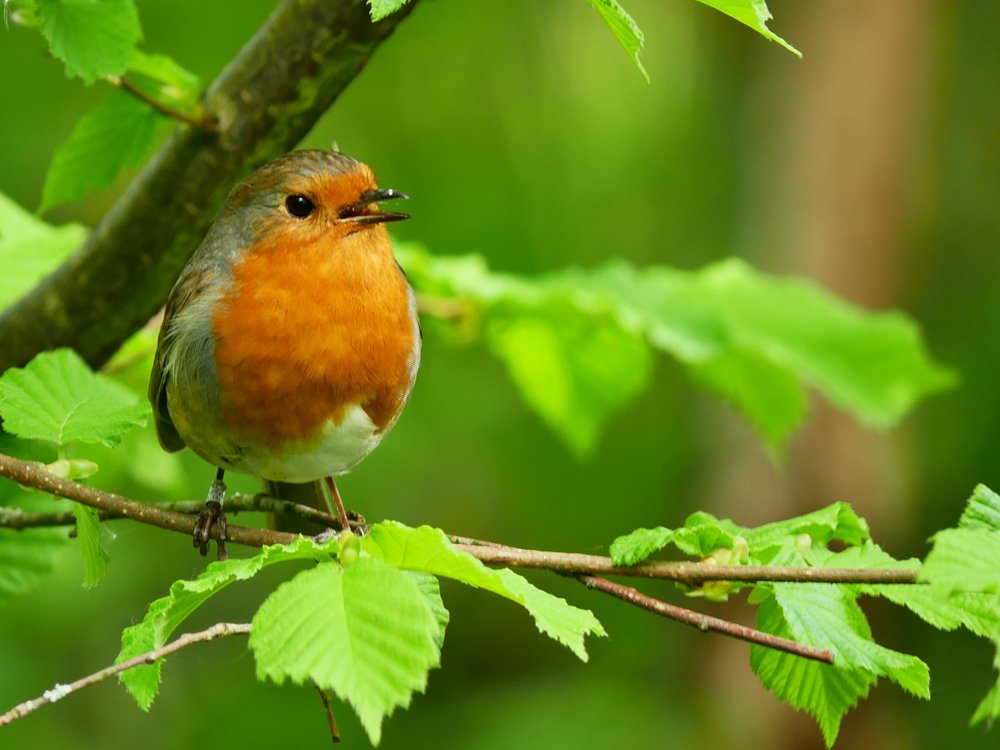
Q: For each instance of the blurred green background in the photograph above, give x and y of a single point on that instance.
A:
(522, 131)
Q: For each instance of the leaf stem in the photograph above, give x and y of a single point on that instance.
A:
(207, 124)
(57, 692)
(702, 622)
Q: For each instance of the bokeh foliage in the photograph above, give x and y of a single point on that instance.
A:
(508, 169)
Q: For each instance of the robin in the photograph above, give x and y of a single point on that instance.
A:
(290, 342)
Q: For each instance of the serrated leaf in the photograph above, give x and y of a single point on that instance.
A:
(30, 249)
(119, 132)
(752, 13)
(56, 397)
(625, 29)
(873, 365)
(166, 614)
(427, 549)
(94, 38)
(827, 692)
(835, 522)
(828, 617)
(982, 511)
(382, 8)
(701, 535)
(964, 560)
(88, 532)
(28, 556)
(365, 631)
(431, 589)
(946, 610)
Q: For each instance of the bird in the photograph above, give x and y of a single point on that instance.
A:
(290, 341)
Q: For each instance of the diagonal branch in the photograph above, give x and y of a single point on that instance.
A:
(704, 623)
(219, 630)
(265, 102)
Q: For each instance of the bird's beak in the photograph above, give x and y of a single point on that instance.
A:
(359, 213)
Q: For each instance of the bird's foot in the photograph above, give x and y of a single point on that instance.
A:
(211, 518)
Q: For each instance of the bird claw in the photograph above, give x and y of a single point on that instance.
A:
(211, 518)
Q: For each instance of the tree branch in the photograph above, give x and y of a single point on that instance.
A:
(17, 519)
(685, 572)
(35, 476)
(703, 622)
(219, 630)
(265, 101)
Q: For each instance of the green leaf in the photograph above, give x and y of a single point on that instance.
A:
(88, 531)
(166, 614)
(427, 549)
(754, 340)
(625, 29)
(836, 522)
(827, 692)
(982, 510)
(572, 371)
(95, 38)
(30, 249)
(828, 617)
(119, 132)
(56, 397)
(28, 556)
(178, 85)
(431, 589)
(989, 708)
(872, 365)
(946, 610)
(573, 360)
(767, 394)
(700, 536)
(964, 559)
(703, 534)
(753, 13)
(365, 631)
(382, 8)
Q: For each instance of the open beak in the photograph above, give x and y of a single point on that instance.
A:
(363, 213)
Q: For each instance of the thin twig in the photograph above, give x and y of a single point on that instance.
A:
(34, 475)
(686, 572)
(328, 707)
(704, 623)
(15, 518)
(204, 123)
(219, 630)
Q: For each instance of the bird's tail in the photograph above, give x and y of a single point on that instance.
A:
(312, 494)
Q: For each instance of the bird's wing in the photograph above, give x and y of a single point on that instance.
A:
(190, 283)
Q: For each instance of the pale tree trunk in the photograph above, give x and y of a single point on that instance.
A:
(836, 136)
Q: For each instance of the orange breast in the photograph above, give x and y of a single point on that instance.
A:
(309, 329)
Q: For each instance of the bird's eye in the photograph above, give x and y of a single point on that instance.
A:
(299, 206)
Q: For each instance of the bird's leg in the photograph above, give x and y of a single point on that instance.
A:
(212, 517)
(345, 523)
